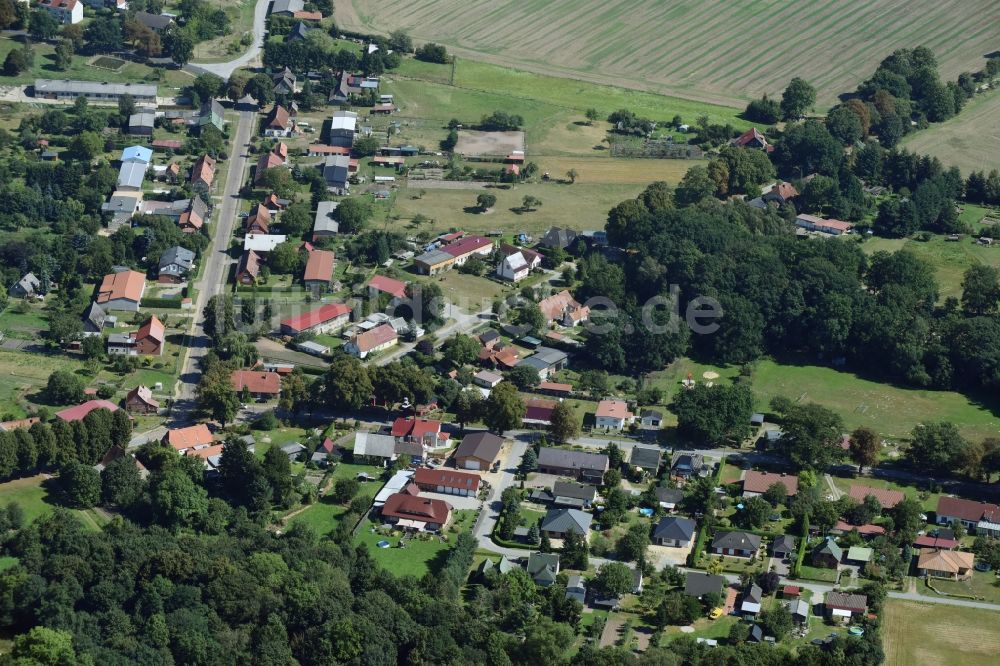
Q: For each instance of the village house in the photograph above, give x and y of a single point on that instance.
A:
(574, 464)
(319, 270)
(841, 607)
(736, 544)
(668, 498)
(377, 339)
(814, 223)
(121, 291)
(423, 431)
(174, 265)
(263, 242)
(646, 458)
(336, 173)
(351, 84)
(750, 604)
(260, 385)
(784, 547)
(192, 437)
(433, 262)
(756, 483)
(613, 415)
(752, 138)
(478, 450)
(543, 568)
(375, 448)
(563, 309)
(937, 563)
(978, 517)
(698, 584)
(566, 494)
(557, 523)
(274, 158)
(546, 360)
(77, 413)
(446, 481)
(486, 379)
(140, 401)
(867, 531)
(380, 284)
(258, 220)
(193, 217)
(780, 193)
(130, 176)
(155, 22)
(26, 287)
(412, 512)
(685, 465)
(212, 114)
(147, 341)
(324, 226)
(141, 123)
(63, 11)
(557, 237)
(95, 319)
(324, 319)
(828, 555)
(513, 267)
(203, 173)
(284, 82)
(674, 531)
(278, 123)
(248, 269)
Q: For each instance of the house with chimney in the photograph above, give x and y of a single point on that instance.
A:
(278, 123)
(260, 385)
(121, 291)
(373, 341)
(140, 401)
(248, 270)
(203, 173)
(563, 309)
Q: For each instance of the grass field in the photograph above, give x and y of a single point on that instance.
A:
(982, 585)
(710, 50)
(969, 141)
(24, 374)
(915, 633)
(324, 515)
(37, 501)
(929, 503)
(949, 259)
(225, 48)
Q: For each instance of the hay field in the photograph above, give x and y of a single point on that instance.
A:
(970, 140)
(916, 633)
(710, 50)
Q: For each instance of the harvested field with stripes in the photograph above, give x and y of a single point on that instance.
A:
(916, 633)
(715, 51)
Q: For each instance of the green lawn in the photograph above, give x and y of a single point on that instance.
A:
(922, 633)
(818, 573)
(25, 374)
(927, 500)
(983, 585)
(37, 501)
(414, 559)
(19, 324)
(324, 515)
(706, 628)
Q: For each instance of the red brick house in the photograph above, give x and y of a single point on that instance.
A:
(140, 400)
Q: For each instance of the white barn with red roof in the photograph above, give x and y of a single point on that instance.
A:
(323, 319)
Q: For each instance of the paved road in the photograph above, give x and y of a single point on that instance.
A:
(225, 69)
(462, 322)
(216, 271)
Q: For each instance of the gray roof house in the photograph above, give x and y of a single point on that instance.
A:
(26, 286)
(783, 546)
(543, 568)
(298, 32)
(559, 522)
(569, 494)
(799, 610)
(95, 319)
(751, 601)
(546, 360)
(668, 498)
(131, 175)
(646, 457)
(687, 464)
(70, 90)
(736, 544)
(674, 531)
(323, 224)
(336, 172)
(284, 82)
(286, 7)
(374, 445)
(583, 465)
(175, 262)
(293, 450)
(558, 237)
(501, 566)
(698, 584)
(830, 554)
(212, 113)
(575, 589)
(157, 22)
(141, 123)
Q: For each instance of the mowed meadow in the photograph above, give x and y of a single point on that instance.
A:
(710, 50)
(970, 140)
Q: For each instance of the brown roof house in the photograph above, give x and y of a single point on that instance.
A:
(840, 606)
(121, 291)
(278, 123)
(756, 483)
(203, 172)
(260, 385)
(478, 450)
(370, 342)
(276, 157)
(564, 309)
(259, 220)
(575, 464)
(978, 517)
(149, 338)
(319, 270)
(937, 563)
(249, 267)
(140, 400)
(887, 497)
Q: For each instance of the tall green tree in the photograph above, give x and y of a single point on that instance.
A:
(563, 425)
(346, 384)
(797, 98)
(811, 434)
(504, 408)
(81, 484)
(121, 483)
(864, 447)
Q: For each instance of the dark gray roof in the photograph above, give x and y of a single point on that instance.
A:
(287, 6)
(737, 540)
(647, 457)
(830, 546)
(698, 583)
(298, 32)
(558, 237)
(783, 542)
(692, 461)
(566, 520)
(142, 119)
(581, 491)
(178, 255)
(673, 527)
(669, 495)
(335, 169)
(754, 594)
(651, 414)
(551, 457)
(154, 21)
(95, 316)
(543, 567)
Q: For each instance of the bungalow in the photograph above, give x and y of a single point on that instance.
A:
(668, 498)
(278, 123)
(756, 483)
(478, 450)
(155, 22)
(866, 531)
(371, 342)
(736, 544)
(953, 564)
(260, 385)
(486, 379)
(26, 287)
(416, 513)
(546, 360)
(575, 464)
(938, 540)
(784, 547)
(829, 555)
(698, 584)
(750, 605)
(573, 495)
(651, 418)
(175, 263)
(557, 523)
(840, 606)
(543, 568)
(433, 262)
(324, 226)
(646, 458)
(319, 270)
(978, 517)
(380, 284)
(613, 414)
(193, 437)
(324, 319)
(674, 532)
(203, 172)
(562, 308)
(685, 465)
(248, 270)
(831, 227)
(121, 291)
(557, 237)
(447, 481)
(78, 412)
(887, 497)
(470, 246)
(140, 400)
(336, 173)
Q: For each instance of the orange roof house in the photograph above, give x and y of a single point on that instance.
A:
(952, 564)
(121, 291)
(259, 384)
(387, 285)
(259, 220)
(203, 171)
(150, 337)
(319, 269)
(192, 437)
(757, 483)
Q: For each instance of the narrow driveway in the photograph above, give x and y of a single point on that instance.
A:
(213, 279)
(225, 69)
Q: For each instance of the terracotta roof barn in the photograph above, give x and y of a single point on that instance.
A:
(757, 483)
(77, 413)
(258, 383)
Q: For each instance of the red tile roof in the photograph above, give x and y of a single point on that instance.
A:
(143, 394)
(319, 266)
(376, 337)
(466, 245)
(206, 452)
(323, 149)
(190, 437)
(537, 409)
(127, 285)
(388, 285)
(315, 317)
(555, 387)
(203, 169)
(408, 507)
(416, 428)
(968, 510)
(863, 530)
(616, 409)
(749, 136)
(758, 482)
(554, 306)
(257, 382)
(887, 497)
(278, 118)
(152, 329)
(77, 413)
(447, 478)
(928, 541)
(791, 591)
(173, 144)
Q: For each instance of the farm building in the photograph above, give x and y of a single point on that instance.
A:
(324, 226)
(319, 270)
(814, 223)
(478, 450)
(446, 481)
(978, 517)
(91, 90)
(260, 385)
(323, 319)
(78, 412)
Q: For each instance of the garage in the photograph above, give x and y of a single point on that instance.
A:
(471, 463)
